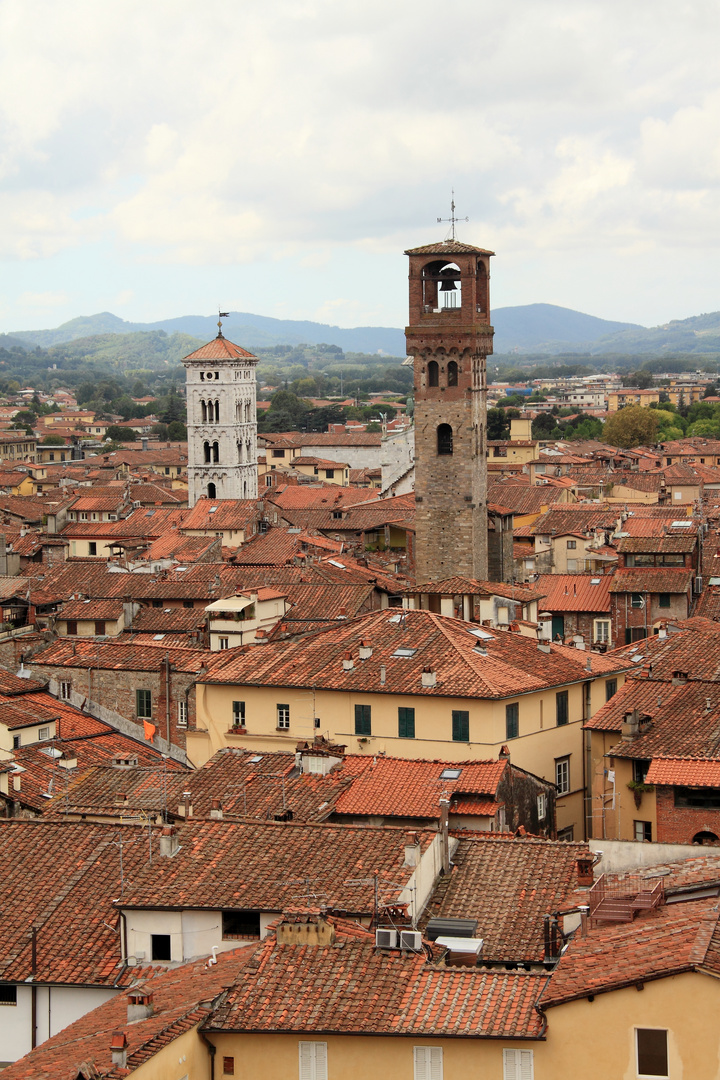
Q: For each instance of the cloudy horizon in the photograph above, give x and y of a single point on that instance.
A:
(161, 160)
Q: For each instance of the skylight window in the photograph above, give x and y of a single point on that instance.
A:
(637, 659)
(158, 637)
(212, 509)
(595, 581)
(450, 774)
(254, 760)
(404, 652)
(482, 634)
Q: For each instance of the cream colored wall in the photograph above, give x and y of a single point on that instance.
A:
(86, 627)
(79, 548)
(28, 735)
(185, 1056)
(622, 494)
(539, 743)
(352, 1057)
(616, 822)
(596, 1040)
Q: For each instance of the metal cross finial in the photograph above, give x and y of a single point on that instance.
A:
(452, 219)
(222, 315)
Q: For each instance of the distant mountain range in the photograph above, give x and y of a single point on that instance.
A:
(530, 328)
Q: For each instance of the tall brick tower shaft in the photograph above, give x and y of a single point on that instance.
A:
(450, 338)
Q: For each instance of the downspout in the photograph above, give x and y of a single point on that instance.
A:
(212, 1050)
(33, 990)
(167, 699)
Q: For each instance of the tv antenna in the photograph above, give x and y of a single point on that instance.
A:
(452, 219)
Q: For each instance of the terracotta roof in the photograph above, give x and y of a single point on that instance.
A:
(273, 548)
(181, 999)
(652, 579)
(497, 665)
(659, 943)
(319, 496)
(469, 586)
(656, 544)
(686, 772)
(575, 519)
(520, 499)
(508, 885)
(220, 349)
(220, 514)
(262, 864)
(360, 989)
(575, 592)
(117, 654)
(448, 247)
(91, 609)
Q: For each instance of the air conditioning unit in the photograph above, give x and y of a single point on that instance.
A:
(386, 939)
(698, 585)
(411, 940)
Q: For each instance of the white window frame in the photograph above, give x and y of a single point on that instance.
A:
(427, 1063)
(65, 691)
(602, 631)
(283, 717)
(542, 806)
(562, 765)
(312, 1061)
(223, 643)
(182, 714)
(518, 1065)
(44, 734)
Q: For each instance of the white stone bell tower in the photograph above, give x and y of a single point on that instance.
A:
(221, 422)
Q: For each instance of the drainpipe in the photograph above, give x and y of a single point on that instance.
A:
(33, 990)
(167, 699)
(212, 1050)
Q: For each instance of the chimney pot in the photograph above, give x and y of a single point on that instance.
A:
(348, 664)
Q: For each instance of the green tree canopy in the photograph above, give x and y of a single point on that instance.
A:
(631, 426)
(120, 434)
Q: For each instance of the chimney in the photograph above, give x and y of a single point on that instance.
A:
(445, 833)
(679, 678)
(412, 849)
(139, 1006)
(216, 809)
(630, 725)
(348, 664)
(185, 809)
(543, 646)
(504, 754)
(383, 671)
(169, 843)
(144, 443)
(584, 910)
(118, 1048)
(585, 869)
(305, 926)
(365, 650)
(429, 677)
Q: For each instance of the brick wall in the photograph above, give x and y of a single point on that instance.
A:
(625, 617)
(679, 824)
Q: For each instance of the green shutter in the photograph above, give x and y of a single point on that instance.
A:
(460, 726)
(406, 723)
(362, 720)
(512, 721)
(561, 707)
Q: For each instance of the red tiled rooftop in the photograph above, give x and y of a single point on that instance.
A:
(220, 348)
(684, 772)
(575, 592)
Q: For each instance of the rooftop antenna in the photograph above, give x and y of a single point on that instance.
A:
(452, 219)
(222, 315)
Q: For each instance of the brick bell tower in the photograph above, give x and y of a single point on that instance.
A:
(449, 338)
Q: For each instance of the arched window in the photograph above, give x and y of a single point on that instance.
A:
(705, 838)
(444, 439)
(433, 373)
(452, 373)
(216, 452)
(217, 412)
(212, 491)
(482, 287)
(204, 411)
(206, 448)
(244, 489)
(247, 412)
(240, 452)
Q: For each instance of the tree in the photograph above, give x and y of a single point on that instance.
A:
(631, 426)
(177, 431)
(498, 425)
(120, 434)
(161, 431)
(642, 379)
(52, 440)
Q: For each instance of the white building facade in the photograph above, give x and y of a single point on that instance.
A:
(221, 422)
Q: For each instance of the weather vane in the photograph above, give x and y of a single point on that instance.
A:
(222, 315)
(452, 219)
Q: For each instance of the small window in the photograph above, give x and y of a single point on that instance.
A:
(518, 1065)
(640, 769)
(444, 439)
(562, 775)
(567, 835)
(329, 474)
(313, 1060)
(460, 726)
(601, 628)
(637, 600)
(99, 627)
(143, 704)
(238, 709)
(223, 643)
(228, 1066)
(427, 1063)
(561, 708)
(363, 722)
(157, 603)
(664, 599)
(571, 544)
(452, 373)
(406, 723)
(542, 806)
(182, 713)
(278, 453)
(8, 995)
(16, 742)
(610, 688)
(43, 734)
(643, 831)
(92, 548)
(283, 716)
(512, 720)
(433, 373)
(652, 1051)
(72, 627)
(65, 690)
(240, 924)
(160, 946)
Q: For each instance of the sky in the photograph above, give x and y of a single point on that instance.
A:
(166, 158)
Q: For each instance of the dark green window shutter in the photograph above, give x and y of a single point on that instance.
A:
(460, 726)
(512, 721)
(406, 723)
(561, 707)
(362, 720)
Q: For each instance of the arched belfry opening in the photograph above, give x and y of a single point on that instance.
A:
(442, 287)
(444, 439)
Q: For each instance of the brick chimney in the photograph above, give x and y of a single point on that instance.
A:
(140, 1006)
(305, 926)
(118, 1048)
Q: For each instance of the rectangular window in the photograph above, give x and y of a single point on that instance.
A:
(99, 627)
(182, 714)
(72, 627)
(610, 688)
(512, 720)
(572, 544)
(16, 742)
(562, 775)
(427, 1063)
(652, 1052)
(92, 547)
(278, 453)
(664, 599)
(283, 716)
(567, 834)
(240, 924)
(8, 995)
(643, 831)
(601, 628)
(157, 603)
(640, 770)
(637, 600)
(43, 734)
(460, 726)
(223, 643)
(65, 690)
(143, 704)
(406, 723)
(188, 604)
(518, 1065)
(160, 946)
(542, 806)
(561, 708)
(329, 474)
(313, 1060)
(228, 1066)
(363, 723)
(238, 713)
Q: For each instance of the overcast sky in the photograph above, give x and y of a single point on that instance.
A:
(160, 158)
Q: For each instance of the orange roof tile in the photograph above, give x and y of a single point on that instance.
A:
(220, 349)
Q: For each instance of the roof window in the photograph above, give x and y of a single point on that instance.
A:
(404, 652)
(450, 774)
